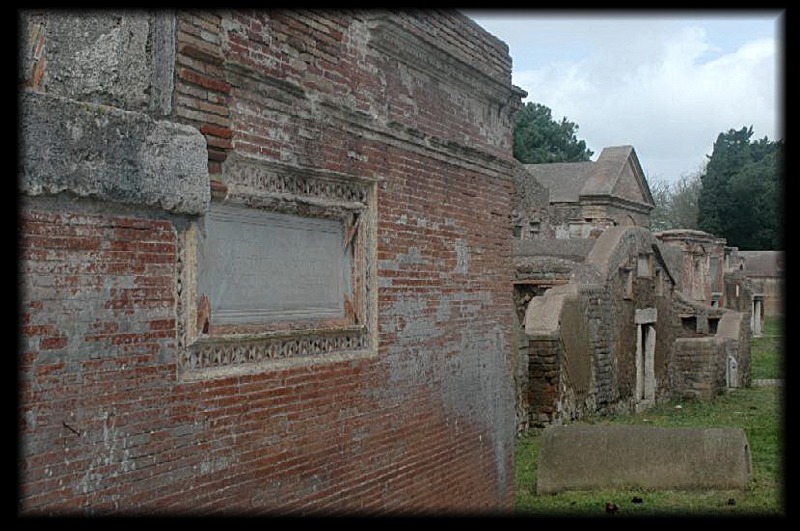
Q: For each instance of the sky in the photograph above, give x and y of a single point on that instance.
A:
(665, 82)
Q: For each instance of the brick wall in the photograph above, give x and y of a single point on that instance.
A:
(698, 371)
(426, 424)
(202, 96)
(97, 322)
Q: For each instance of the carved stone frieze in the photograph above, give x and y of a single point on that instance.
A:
(249, 177)
(245, 352)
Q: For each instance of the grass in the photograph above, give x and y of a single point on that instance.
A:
(757, 410)
(766, 352)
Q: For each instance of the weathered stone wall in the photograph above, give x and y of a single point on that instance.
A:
(627, 217)
(698, 369)
(772, 289)
(703, 367)
(583, 335)
(414, 109)
(704, 263)
(738, 292)
(766, 271)
(123, 60)
(98, 152)
(531, 201)
(559, 218)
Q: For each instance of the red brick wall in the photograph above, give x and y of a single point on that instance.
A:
(202, 97)
(97, 322)
(425, 425)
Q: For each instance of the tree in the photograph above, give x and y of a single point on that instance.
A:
(538, 138)
(755, 190)
(684, 202)
(660, 215)
(676, 205)
(741, 191)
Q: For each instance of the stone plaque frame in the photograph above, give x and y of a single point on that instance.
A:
(268, 190)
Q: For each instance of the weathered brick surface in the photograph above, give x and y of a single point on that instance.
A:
(427, 424)
(202, 95)
(98, 311)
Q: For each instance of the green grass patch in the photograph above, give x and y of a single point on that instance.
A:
(766, 352)
(757, 410)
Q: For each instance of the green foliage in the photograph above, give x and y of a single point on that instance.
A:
(741, 191)
(757, 410)
(538, 138)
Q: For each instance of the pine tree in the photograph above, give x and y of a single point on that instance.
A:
(538, 138)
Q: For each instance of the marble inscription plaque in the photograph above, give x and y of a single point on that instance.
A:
(258, 266)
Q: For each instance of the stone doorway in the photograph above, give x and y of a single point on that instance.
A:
(757, 315)
(645, 358)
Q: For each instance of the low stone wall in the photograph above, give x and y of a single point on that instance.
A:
(703, 367)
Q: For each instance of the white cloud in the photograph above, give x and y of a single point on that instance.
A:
(662, 86)
(669, 102)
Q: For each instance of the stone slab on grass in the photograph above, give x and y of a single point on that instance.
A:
(586, 457)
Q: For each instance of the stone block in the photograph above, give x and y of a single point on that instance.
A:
(586, 457)
(105, 153)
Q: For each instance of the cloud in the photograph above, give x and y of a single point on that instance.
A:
(664, 88)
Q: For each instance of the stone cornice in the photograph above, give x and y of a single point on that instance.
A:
(614, 200)
(389, 37)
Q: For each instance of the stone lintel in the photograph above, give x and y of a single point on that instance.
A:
(645, 315)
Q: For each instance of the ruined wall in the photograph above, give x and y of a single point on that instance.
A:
(703, 263)
(627, 217)
(542, 394)
(403, 121)
(735, 329)
(699, 368)
(766, 271)
(713, 353)
(583, 336)
(772, 289)
(560, 215)
(629, 289)
(531, 202)
(738, 292)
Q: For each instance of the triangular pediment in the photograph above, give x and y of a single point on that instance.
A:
(618, 174)
(631, 184)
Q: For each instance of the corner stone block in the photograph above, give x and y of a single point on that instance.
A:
(105, 153)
